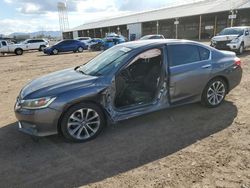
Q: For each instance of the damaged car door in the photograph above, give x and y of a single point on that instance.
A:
(140, 86)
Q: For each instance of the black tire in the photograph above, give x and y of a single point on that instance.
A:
(41, 48)
(67, 119)
(241, 49)
(19, 51)
(208, 94)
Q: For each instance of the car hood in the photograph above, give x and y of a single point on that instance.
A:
(56, 83)
(224, 37)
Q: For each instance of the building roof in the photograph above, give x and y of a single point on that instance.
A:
(198, 8)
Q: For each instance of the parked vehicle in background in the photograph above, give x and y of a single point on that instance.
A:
(66, 46)
(84, 39)
(128, 80)
(18, 49)
(234, 38)
(96, 44)
(36, 44)
(147, 37)
(113, 39)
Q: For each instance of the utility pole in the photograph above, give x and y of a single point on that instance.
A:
(176, 23)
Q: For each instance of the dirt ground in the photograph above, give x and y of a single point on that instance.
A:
(189, 146)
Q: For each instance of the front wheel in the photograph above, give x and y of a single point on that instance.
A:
(55, 52)
(241, 49)
(214, 93)
(19, 51)
(82, 122)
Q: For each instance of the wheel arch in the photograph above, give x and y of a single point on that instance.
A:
(224, 78)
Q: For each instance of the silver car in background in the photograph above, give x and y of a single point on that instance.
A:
(236, 39)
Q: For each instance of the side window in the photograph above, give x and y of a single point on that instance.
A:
(204, 53)
(181, 54)
(4, 43)
(30, 41)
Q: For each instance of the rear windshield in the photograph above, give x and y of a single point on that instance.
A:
(232, 31)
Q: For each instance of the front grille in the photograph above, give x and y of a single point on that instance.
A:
(222, 44)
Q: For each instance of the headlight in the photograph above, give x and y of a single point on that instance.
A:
(235, 40)
(213, 42)
(37, 103)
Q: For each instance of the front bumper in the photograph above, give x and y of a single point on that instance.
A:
(233, 46)
(42, 122)
(225, 45)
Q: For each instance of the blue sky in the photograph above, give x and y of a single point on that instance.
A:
(36, 15)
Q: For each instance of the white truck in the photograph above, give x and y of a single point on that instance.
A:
(18, 49)
(233, 38)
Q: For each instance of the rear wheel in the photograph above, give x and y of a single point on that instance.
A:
(42, 48)
(19, 51)
(82, 122)
(214, 93)
(80, 49)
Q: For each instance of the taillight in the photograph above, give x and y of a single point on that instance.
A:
(237, 61)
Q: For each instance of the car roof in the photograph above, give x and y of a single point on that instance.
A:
(239, 27)
(153, 42)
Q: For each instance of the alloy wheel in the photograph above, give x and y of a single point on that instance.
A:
(80, 49)
(83, 123)
(55, 51)
(216, 93)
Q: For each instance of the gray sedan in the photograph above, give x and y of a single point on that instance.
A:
(126, 81)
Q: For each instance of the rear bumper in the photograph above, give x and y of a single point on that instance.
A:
(235, 77)
(38, 122)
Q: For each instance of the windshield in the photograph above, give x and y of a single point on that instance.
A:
(105, 62)
(58, 42)
(232, 31)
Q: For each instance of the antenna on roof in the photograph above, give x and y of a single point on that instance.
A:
(63, 15)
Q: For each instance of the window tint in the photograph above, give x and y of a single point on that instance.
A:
(183, 54)
(4, 43)
(204, 53)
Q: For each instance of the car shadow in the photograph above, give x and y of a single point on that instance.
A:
(52, 162)
(62, 53)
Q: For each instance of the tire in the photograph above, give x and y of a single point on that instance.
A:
(55, 52)
(82, 122)
(19, 51)
(214, 93)
(102, 48)
(241, 49)
(80, 49)
(41, 48)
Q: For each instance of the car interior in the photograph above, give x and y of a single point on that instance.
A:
(138, 83)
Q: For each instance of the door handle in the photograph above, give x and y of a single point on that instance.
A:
(206, 66)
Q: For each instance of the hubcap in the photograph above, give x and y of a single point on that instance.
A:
(80, 49)
(55, 51)
(83, 123)
(216, 93)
